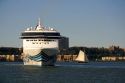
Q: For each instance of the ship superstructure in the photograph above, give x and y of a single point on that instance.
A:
(40, 45)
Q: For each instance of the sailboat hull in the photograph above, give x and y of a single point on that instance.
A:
(81, 61)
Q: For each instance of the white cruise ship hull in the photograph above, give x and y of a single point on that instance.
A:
(40, 45)
(43, 57)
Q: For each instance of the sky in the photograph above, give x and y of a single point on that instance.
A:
(90, 23)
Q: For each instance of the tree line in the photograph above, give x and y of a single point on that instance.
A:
(92, 52)
(95, 52)
(10, 51)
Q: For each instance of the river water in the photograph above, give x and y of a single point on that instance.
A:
(63, 72)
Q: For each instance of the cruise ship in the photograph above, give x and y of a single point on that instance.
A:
(40, 45)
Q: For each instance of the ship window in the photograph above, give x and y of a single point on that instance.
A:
(27, 40)
(46, 34)
(33, 43)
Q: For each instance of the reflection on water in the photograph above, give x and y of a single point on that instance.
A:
(93, 64)
(64, 72)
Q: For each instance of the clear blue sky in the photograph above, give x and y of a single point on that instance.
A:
(91, 23)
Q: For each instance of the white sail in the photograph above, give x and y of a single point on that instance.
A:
(81, 57)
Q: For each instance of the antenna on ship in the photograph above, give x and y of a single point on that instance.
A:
(39, 24)
(39, 27)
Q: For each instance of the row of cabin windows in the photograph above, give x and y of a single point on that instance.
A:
(39, 40)
(40, 43)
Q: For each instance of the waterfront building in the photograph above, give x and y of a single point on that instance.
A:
(63, 43)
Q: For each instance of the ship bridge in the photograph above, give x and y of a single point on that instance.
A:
(40, 32)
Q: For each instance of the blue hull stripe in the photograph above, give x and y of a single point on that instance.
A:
(39, 57)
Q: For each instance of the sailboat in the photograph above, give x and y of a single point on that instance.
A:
(82, 57)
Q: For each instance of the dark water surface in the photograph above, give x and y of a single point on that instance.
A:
(63, 72)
